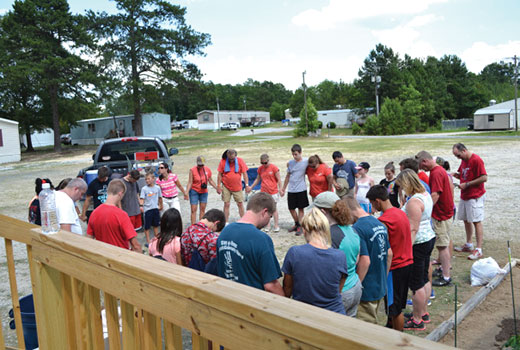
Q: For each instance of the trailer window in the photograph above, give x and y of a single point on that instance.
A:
(491, 118)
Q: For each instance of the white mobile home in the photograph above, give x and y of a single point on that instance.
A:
(39, 138)
(93, 131)
(341, 117)
(497, 116)
(212, 120)
(9, 141)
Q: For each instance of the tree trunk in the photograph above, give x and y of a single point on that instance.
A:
(29, 145)
(136, 96)
(53, 92)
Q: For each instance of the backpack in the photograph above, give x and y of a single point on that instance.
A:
(197, 262)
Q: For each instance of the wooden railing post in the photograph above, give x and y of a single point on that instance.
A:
(14, 292)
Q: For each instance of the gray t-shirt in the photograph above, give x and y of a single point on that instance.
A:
(151, 195)
(297, 172)
(130, 202)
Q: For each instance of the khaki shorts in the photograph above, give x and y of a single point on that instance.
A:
(471, 210)
(238, 196)
(442, 232)
(367, 311)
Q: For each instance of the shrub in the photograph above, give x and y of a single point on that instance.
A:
(331, 125)
(356, 129)
(372, 125)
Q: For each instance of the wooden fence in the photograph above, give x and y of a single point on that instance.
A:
(74, 278)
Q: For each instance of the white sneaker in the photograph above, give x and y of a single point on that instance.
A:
(477, 254)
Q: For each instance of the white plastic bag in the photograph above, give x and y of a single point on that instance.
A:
(483, 271)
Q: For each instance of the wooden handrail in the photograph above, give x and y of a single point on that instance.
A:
(69, 271)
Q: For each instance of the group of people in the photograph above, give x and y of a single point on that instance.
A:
(352, 262)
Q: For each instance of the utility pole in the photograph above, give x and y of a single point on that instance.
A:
(218, 114)
(376, 79)
(305, 102)
(516, 93)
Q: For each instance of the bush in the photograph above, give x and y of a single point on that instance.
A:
(320, 124)
(331, 125)
(303, 128)
(356, 129)
(372, 125)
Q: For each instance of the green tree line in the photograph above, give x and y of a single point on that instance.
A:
(58, 67)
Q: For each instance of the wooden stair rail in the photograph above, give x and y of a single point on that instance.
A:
(70, 273)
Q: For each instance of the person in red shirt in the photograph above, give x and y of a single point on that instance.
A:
(199, 178)
(230, 171)
(400, 237)
(319, 175)
(109, 224)
(269, 174)
(442, 197)
(472, 175)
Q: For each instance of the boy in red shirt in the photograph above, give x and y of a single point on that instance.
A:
(269, 174)
(400, 237)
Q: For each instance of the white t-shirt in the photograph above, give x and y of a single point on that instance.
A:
(66, 212)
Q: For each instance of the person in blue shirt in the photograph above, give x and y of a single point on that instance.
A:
(245, 254)
(315, 273)
(344, 172)
(375, 257)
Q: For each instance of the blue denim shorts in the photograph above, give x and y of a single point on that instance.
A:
(196, 197)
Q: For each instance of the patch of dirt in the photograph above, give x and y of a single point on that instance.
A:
(490, 324)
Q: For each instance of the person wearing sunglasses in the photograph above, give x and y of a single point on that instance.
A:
(170, 186)
(199, 178)
(271, 183)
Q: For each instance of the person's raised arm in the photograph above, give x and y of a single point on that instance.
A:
(274, 287)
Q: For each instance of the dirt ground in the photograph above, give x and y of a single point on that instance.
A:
(490, 324)
(501, 223)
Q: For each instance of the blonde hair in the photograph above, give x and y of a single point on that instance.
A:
(316, 226)
(409, 182)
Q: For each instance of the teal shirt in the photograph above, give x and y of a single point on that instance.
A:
(344, 238)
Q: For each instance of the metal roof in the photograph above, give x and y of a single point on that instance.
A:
(499, 108)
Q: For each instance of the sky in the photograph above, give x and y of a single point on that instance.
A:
(278, 40)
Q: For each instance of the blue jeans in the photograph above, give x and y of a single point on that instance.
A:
(196, 197)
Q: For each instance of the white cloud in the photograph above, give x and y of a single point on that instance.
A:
(338, 11)
(480, 54)
(406, 38)
(280, 67)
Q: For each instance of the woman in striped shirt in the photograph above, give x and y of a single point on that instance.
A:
(170, 186)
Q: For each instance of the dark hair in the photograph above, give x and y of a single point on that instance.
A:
(63, 183)
(337, 154)
(296, 148)
(341, 213)
(377, 192)
(134, 174)
(171, 227)
(215, 215)
(410, 163)
(390, 166)
(261, 201)
(39, 182)
(103, 172)
(446, 165)
(161, 176)
(315, 158)
(460, 147)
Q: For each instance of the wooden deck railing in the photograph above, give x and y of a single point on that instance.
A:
(74, 278)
